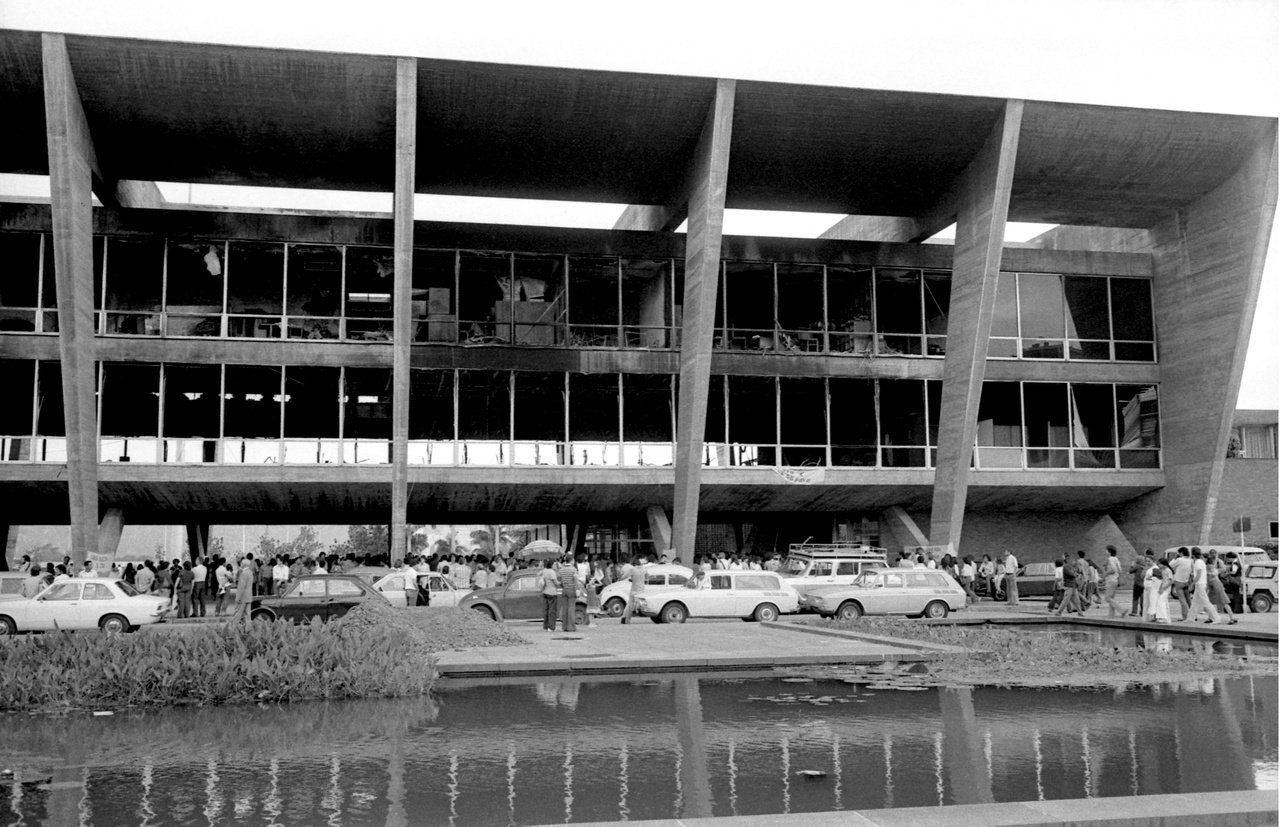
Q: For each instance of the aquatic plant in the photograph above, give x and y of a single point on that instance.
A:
(210, 664)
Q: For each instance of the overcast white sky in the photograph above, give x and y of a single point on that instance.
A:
(1204, 55)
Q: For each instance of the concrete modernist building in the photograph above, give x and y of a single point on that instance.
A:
(170, 365)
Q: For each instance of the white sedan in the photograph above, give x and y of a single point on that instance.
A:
(109, 605)
(752, 595)
(443, 593)
(614, 597)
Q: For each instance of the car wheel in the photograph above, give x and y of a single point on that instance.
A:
(765, 613)
(849, 611)
(262, 614)
(615, 607)
(936, 610)
(1259, 603)
(7, 626)
(113, 624)
(673, 613)
(485, 611)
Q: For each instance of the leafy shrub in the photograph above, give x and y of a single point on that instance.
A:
(212, 664)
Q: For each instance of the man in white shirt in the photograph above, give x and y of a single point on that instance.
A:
(1200, 590)
(87, 571)
(280, 575)
(199, 574)
(1011, 578)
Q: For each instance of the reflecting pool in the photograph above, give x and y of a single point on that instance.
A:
(609, 749)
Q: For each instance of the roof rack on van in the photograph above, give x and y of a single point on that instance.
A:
(841, 549)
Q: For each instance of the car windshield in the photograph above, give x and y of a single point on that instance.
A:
(794, 565)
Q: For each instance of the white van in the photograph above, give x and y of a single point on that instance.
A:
(809, 565)
(1245, 554)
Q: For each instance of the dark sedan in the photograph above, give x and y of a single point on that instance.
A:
(325, 596)
(1035, 580)
(519, 599)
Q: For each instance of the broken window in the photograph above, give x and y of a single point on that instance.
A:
(1138, 423)
(753, 420)
(484, 416)
(193, 297)
(192, 412)
(937, 306)
(646, 302)
(17, 377)
(749, 305)
(594, 314)
(130, 409)
(431, 430)
(1046, 416)
(1042, 315)
(134, 285)
(49, 284)
(1093, 425)
(1088, 318)
(647, 419)
(594, 429)
(1131, 320)
(803, 422)
(715, 450)
(19, 281)
(854, 433)
(539, 424)
(903, 432)
(800, 308)
(849, 310)
(251, 414)
(898, 311)
(434, 310)
(999, 435)
(370, 281)
(255, 289)
(535, 314)
(314, 291)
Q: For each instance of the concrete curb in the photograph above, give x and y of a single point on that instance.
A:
(901, 643)
(1244, 808)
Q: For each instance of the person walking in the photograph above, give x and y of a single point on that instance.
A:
(244, 591)
(1217, 593)
(1011, 578)
(550, 580)
(226, 586)
(637, 588)
(568, 573)
(1138, 569)
(1072, 580)
(1058, 590)
(1157, 582)
(1111, 582)
(1233, 582)
(1200, 590)
(967, 572)
(199, 573)
(182, 587)
(1181, 567)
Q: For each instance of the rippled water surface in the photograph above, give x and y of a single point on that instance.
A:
(583, 750)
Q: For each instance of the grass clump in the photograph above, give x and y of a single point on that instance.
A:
(213, 664)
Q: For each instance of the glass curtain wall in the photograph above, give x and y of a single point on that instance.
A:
(17, 415)
(129, 412)
(1097, 318)
(134, 286)
(431, 417)
(19, 282)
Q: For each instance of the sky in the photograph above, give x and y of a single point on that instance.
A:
(1201, 55)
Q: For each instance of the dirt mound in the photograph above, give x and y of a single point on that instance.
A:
(434, 629)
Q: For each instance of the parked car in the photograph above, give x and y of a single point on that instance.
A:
(325, 596)
(1245, 554)
(1036, 579)
(752, 595)
(915, 592)
(11, 585)
(442, 592)
(520, 598)
(808, 566)
(614, 597)
(110, 605)
(1260, 586)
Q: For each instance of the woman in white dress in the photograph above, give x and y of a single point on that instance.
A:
(1162, 596)
(1150, 592)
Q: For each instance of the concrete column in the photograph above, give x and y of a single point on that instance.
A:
(660, 530)
(1208, 269)
(109, 531)
(406, 149)
(982, 205)
(707, 185)
(695, 778)
(903, 527)
(72, 164)
(197, 540)
(962, 748)
(650, 218)
(7, 538)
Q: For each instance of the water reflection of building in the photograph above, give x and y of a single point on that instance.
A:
(177, 366)
(673, 748)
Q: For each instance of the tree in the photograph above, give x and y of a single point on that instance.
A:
(366, 541)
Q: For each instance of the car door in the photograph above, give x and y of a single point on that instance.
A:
(57, 607)
(748, 593)
(343, 596)
(717, 598)
(392, 589)
(887, 596)
(442, 591)
(304, 600)
(522, 597)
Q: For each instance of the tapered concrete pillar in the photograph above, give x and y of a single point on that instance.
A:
(7, 537)
(197, 541)
(660, 530)
(707, 184)
(1208, 270)
(72, 165)
(109, 532)
(695, 776)
(970, 780)
(406, 149)
(981, 198)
